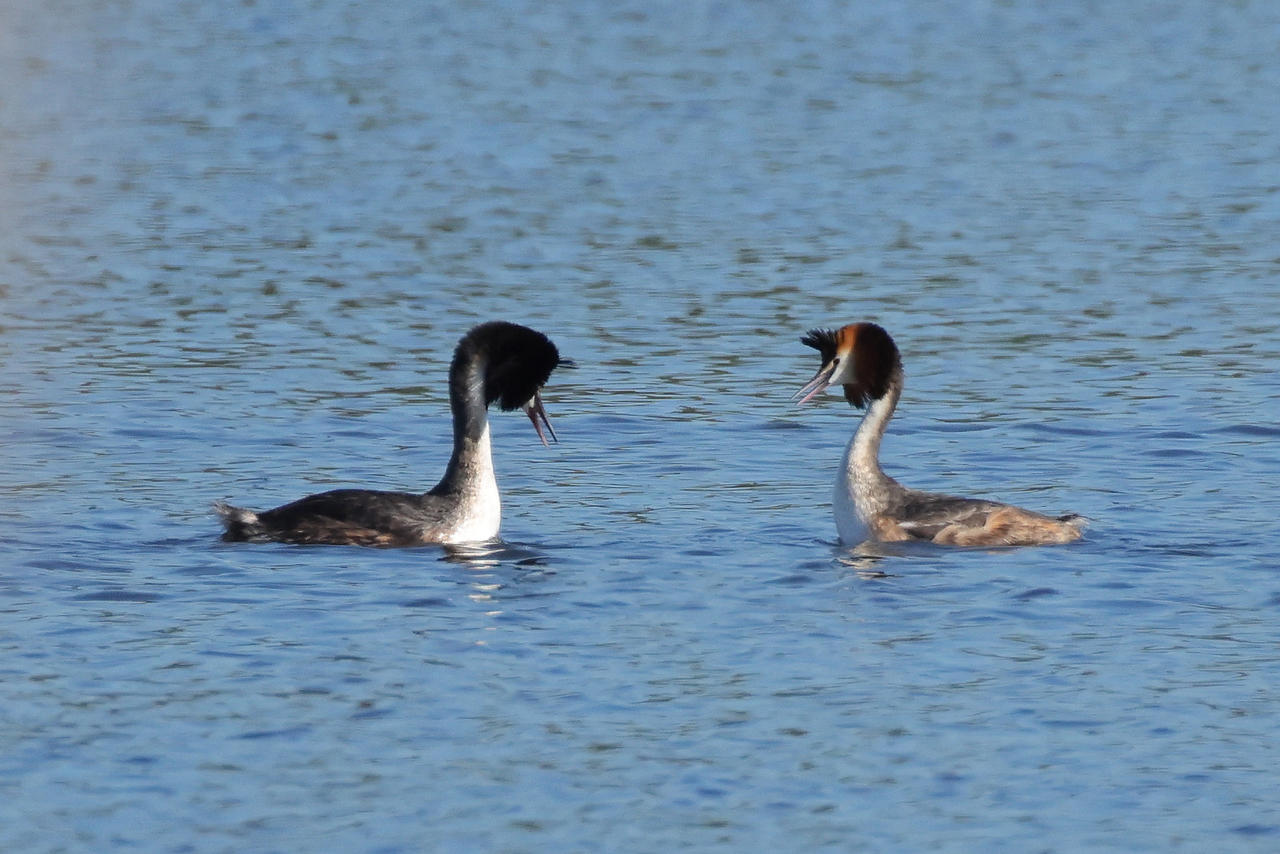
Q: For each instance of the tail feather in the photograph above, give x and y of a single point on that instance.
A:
(241, 524)
(1075, 520)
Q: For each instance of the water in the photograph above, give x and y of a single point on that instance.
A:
(237, 244)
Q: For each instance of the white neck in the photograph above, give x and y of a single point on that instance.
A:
(480, 511)
(862, 489)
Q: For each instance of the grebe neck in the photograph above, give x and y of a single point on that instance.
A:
(471, 464)
(863, 490)
(864, 450)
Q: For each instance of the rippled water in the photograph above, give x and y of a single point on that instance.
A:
(238, 243)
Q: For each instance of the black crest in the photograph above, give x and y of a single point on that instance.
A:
(822, 340)
(518, 360)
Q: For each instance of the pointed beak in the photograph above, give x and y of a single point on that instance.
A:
(535, 412)
(817, 385)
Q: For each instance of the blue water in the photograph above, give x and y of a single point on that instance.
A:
(237, 245)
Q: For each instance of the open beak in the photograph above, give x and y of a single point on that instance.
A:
(535, 412)
(817, 385)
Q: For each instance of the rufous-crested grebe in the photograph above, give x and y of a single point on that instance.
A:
(495, 361)
(870, 505)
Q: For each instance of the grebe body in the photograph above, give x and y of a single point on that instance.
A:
(495, 362)
(868, 504)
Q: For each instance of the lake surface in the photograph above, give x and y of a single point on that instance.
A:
(239, 241)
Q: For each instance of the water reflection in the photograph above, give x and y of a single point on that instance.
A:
(492, 554)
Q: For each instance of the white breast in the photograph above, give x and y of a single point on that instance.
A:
(480, 514)
(851, 526)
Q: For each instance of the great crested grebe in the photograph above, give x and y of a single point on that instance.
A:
(870, 505)
(495, 361)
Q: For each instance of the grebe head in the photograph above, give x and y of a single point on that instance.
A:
(861, 357)
(518, 362)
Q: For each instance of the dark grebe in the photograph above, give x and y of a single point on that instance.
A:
(870, 505)
(495, 361)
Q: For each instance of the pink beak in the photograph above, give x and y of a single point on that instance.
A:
(821, 380)
(535, 412)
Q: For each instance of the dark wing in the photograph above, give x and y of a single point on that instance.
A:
(924, 514)
(357, 516)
